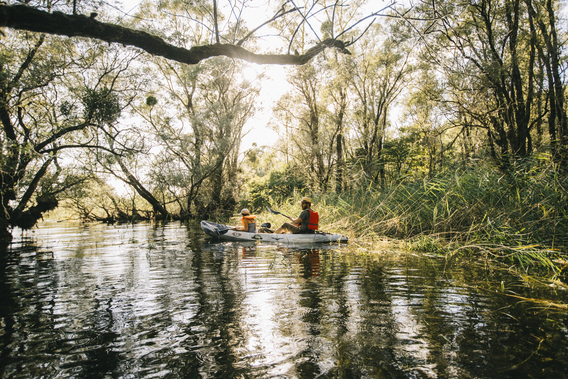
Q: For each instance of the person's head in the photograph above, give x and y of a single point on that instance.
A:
(245, 212)
(306, 203)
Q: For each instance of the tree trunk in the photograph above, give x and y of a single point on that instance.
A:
(340, 164)
(142, 191)
(339, 141)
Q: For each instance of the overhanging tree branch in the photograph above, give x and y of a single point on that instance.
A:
(21, 17)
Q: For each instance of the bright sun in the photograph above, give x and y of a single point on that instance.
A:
(249, 73)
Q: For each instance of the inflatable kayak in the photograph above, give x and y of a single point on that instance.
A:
(226, 233)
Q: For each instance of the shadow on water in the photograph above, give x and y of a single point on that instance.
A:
(159, 300)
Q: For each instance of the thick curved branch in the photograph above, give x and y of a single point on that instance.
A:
(22, 17)
(60, 134)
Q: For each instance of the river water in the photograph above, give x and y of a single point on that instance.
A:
(162, 301)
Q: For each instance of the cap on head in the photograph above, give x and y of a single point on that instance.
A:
(306, 200)
(245, 212)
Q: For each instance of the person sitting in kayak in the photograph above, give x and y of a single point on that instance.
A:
(306, 223)
(249, 224)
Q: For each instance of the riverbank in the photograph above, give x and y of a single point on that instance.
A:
(519, 219)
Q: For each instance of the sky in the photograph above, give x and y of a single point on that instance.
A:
(273, 87)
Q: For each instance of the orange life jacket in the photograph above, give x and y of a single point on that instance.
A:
(314, 220)
(250, 226)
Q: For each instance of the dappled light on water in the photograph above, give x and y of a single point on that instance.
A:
(162, 301)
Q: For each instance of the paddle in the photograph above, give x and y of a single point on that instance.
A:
(217, 228)
(278, 213)
(224, 230)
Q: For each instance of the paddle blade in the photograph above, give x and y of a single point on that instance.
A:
(276, 213)
(272, 211)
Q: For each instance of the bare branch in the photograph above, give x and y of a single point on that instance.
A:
(372, 15)
(26, 64)
(305, 20)
(80, 146)
(276, 16)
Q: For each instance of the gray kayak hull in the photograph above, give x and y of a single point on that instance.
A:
(225, 233)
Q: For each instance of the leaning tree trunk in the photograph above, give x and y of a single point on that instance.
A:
(142, 191)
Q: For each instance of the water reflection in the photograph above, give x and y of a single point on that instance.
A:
(310, 261)
(160, 301)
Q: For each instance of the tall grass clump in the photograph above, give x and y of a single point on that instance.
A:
(520, 215)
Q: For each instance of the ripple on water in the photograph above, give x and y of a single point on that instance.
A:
(137, 301)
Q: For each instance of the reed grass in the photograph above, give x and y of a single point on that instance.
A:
(520, 218)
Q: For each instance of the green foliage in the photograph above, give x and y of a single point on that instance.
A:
(93, 199)
(42, 85)
(102, 105)
(151, 101)
(426, 244)
(327, 29)
(276, 187)
(521, 216)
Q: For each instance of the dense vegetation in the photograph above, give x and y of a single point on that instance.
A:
(444, 124)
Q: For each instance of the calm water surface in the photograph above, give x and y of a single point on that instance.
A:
(161, 301)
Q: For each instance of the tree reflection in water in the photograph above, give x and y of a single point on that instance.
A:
(158, 300)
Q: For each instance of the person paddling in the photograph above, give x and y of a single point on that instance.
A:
(249, 223)
(306, 223)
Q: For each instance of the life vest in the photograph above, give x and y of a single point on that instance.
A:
(314, 220)
(251, 228)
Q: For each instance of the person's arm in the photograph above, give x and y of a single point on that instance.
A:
(296, 221)
(238, 228)
(300, 219)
